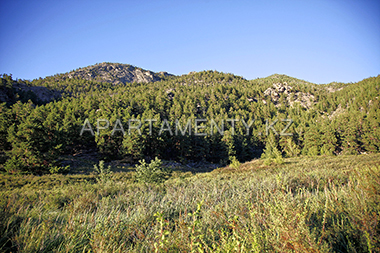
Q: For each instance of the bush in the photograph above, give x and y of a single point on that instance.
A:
(271, 153)
(59, 169)
(103, 174)
(14, 165)
(153, 172)
(234, 162)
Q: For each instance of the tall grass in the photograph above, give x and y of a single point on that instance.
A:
(325, 204)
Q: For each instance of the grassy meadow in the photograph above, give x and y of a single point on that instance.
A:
(306, 204)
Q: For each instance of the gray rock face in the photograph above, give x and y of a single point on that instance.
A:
(116, 73)
(36, 93)
(170, 92)
(42, 93)
(306, 100)
(339, 110)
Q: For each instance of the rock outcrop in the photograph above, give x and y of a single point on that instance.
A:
(306, 100)
(20, 91)
(43, 94)
(116, 73)
(170, 92)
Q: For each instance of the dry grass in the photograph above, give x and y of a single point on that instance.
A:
(322, 204)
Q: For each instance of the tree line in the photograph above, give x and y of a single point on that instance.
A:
(344, 119)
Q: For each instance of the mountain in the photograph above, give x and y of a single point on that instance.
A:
(173, 128)
(81, 80)
(112, 75)
(14, 90)
(328, 119)
(116, 73)
(107, 75)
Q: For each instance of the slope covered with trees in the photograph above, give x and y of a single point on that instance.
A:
(231, 119)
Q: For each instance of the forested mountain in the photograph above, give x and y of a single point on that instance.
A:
(231, 118)
(114, 73)
(21, 90)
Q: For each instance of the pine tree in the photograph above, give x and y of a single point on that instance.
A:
(289, 147)
(271, 152)
(5, 122)
(311, 142)
(34, 145)
(229, 145)
(328, 138)
(371, 136)
(350, 143)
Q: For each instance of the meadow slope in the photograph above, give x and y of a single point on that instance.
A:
(314, 204)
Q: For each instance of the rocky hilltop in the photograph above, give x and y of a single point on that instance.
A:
(11, 91)
(116, 73)
(306, 100)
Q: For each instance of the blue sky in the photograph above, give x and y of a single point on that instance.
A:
(318, 41)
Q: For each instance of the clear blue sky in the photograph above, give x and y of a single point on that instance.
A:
(318, 41)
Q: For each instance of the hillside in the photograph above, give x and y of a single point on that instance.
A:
(113, 73)
(116, 73)
(309, 204)
(51, 88)
(273, 117)
(12, 91)
(128, 160)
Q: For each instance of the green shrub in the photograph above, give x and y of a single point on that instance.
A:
(103, 174)
(14, 165)
(234, 162)
(153, 172)
(271, 153)
(59, 169)
(322, 204)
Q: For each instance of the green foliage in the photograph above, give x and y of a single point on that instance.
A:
(273, 204)
(234, 162)
(229, 143)
(290, 148)
(6, 89)
(312, 141)
(271, 152)
(103, 173)
(15, 165)
(152, 172)
(162, 232)
(307, 204)
(195, 230)
(59, 169)
(343, 120)
(5, 122)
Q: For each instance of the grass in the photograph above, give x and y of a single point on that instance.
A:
(319, 204)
